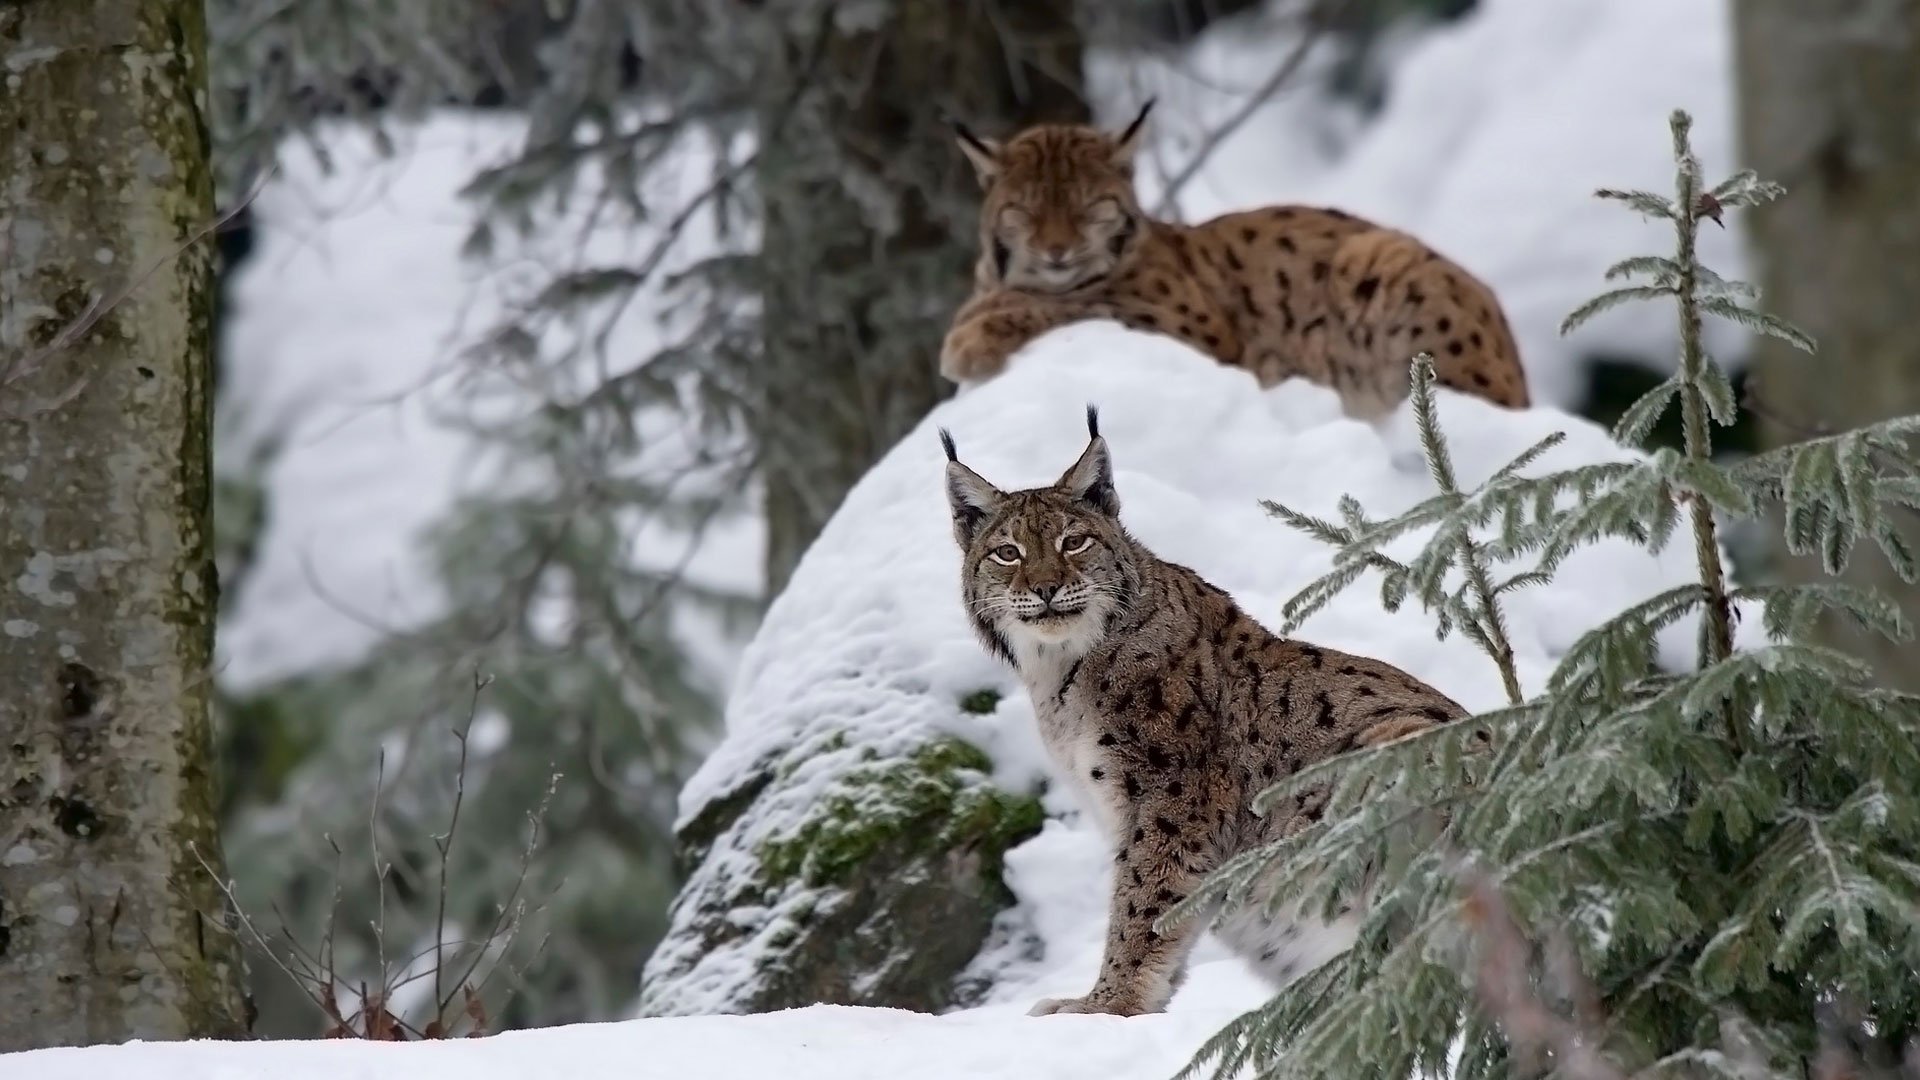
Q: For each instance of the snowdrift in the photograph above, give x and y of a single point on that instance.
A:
(867, 658)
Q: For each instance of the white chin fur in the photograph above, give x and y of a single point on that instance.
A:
(1073, 634)
(1050, 280)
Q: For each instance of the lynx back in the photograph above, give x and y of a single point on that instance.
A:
(1282, 291)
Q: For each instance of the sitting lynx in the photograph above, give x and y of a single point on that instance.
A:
(1280, 291)
(1167, 708)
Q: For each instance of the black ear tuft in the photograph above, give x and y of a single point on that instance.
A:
(1091, 478)
(946, 440)
(965, 134)
(1134, 128)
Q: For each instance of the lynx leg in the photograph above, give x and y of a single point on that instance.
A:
(1156, 869)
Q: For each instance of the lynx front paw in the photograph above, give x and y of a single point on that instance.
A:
(969, 356)
(1092, 1003)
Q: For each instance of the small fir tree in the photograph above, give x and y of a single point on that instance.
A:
(1717, 857)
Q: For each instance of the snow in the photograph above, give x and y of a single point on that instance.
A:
(357, 303)
(868, 649)
(872, 623)
(822, 1042)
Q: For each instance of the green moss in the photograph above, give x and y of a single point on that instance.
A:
(938, 798)
(981, 702)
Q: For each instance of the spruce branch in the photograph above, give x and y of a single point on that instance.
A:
(1473, 607)
(1717, 642)
(1486, 617)
(1722, 849)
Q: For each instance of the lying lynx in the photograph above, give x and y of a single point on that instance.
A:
(1167, 708)
(1280, 291)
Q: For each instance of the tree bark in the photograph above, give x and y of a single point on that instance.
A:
(870, 219)
(108, 924)
(1828, 95)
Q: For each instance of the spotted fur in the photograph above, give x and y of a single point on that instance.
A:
(1167, 709)
(1281, 291)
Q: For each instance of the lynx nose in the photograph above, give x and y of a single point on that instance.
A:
(1045, 593)
(1057, 254)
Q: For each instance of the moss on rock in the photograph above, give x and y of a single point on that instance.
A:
(880, 892)
(936, 799)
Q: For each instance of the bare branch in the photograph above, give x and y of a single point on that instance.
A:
(444, 842)
(1315, 29)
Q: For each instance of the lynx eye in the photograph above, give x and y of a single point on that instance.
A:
(1075, 543)
(1005, 554)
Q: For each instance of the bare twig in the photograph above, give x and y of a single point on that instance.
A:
(252, 932)
(506, 924)
(1316, 27)
(379, 871)
(444, 842)
(1751, 400)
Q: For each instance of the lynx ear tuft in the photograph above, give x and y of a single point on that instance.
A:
(1129, 139)
(969, 496)
(983, 153)
(1090, 480)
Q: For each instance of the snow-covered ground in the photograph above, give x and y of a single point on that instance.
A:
(824, 1042)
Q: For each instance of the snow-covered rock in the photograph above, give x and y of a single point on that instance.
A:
(866, 660)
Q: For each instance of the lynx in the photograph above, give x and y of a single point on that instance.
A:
(1280, 291)
(1167, 708)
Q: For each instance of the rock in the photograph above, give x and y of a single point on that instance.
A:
(881, 894)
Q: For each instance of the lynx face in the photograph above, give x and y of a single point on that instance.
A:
(1060, 210)
(1046, 566)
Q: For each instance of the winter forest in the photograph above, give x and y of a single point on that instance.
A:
(959, 538)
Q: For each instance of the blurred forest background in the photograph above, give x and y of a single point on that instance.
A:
(839, 228)
(770, 184)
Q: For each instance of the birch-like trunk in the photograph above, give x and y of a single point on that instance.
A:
(1830, 106)
(106, 579)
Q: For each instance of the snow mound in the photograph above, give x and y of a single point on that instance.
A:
(824, 1042)
(868, 650)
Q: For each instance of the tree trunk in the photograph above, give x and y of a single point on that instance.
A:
(1828, 96)
(869, 232)
(108, 924)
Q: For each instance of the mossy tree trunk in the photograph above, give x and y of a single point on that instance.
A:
(870, 222)
(106, 576)
(1828, 97)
